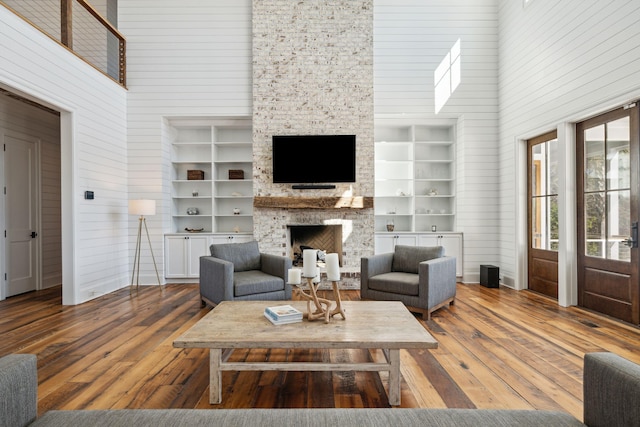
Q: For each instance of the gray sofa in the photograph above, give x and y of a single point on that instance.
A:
(611, 396)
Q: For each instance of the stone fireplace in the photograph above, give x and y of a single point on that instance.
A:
(313, 75)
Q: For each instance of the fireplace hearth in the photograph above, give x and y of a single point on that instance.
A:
(324, 238)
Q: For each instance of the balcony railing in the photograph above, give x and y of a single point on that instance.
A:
(80, 27)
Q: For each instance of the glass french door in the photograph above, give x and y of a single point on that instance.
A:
(607, 188)
(543, 214)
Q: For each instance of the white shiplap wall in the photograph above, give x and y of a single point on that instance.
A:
(559, 62)
(187, 58)
(411, 37)
(93, 146)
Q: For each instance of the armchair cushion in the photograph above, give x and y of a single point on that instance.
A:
(244, 256)
(396, 283)
(256, 282)
(407, 258)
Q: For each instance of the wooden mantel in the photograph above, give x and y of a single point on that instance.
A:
(351, 202)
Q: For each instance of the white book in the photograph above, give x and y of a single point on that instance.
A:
(282, 312)
(284, 321)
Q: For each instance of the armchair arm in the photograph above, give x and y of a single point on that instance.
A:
(372, 266)
(277, 265)
(611, 390)
(216, 279)
(18, 390)
(437, 280)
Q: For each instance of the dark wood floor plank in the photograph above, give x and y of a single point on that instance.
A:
(423, 393)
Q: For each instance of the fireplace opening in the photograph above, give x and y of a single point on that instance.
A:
(324, 238)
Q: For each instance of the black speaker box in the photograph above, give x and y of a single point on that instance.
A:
(490, 276)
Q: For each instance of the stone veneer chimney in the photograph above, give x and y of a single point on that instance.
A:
(313, 74)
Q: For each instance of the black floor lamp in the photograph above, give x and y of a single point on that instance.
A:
(142, 208)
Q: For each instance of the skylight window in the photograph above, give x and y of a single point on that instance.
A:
(447, 76)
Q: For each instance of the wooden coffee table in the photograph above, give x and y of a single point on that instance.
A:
(386, 325)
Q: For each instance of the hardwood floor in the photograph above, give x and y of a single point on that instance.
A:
(498, 348)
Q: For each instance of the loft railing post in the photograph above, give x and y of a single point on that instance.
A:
(122, 60)
(66, 23)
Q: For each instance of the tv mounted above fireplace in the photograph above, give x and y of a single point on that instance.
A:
(314, 159)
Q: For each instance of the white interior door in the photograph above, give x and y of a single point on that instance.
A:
(21, 214)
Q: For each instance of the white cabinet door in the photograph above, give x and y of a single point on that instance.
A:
(182, 256)
(430, 240)
(175, 257)
(197, 246)
(385, 243)
(452, 244)
(216, 239)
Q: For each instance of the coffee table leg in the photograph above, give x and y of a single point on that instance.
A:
(394, 377)
(215, 376)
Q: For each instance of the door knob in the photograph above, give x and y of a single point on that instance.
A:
(33, 234)
(632, 241)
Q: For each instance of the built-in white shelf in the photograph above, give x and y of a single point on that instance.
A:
(414, 177)
(214, 146)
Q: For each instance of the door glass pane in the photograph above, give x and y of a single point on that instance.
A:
(594, 170)
(544, 200)
(554, 235)
(594, 213)
(618, 166)
(536, 174)
(537, 222)
(619, 225)
(552, 166)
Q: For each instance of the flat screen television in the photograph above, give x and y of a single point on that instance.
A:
(308, 159)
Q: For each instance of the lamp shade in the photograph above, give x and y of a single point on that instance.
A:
(142, 207)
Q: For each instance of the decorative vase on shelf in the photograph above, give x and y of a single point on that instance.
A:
(390, 226)
(192, 211)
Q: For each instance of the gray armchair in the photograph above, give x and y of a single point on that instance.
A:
(421, 277)
(238, 271)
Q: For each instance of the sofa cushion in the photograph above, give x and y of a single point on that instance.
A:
(244, 256)
(395, 283)
(255, 282)
(407, 258)
(313, 417)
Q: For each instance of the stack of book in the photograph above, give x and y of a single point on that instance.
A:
(281, 314)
